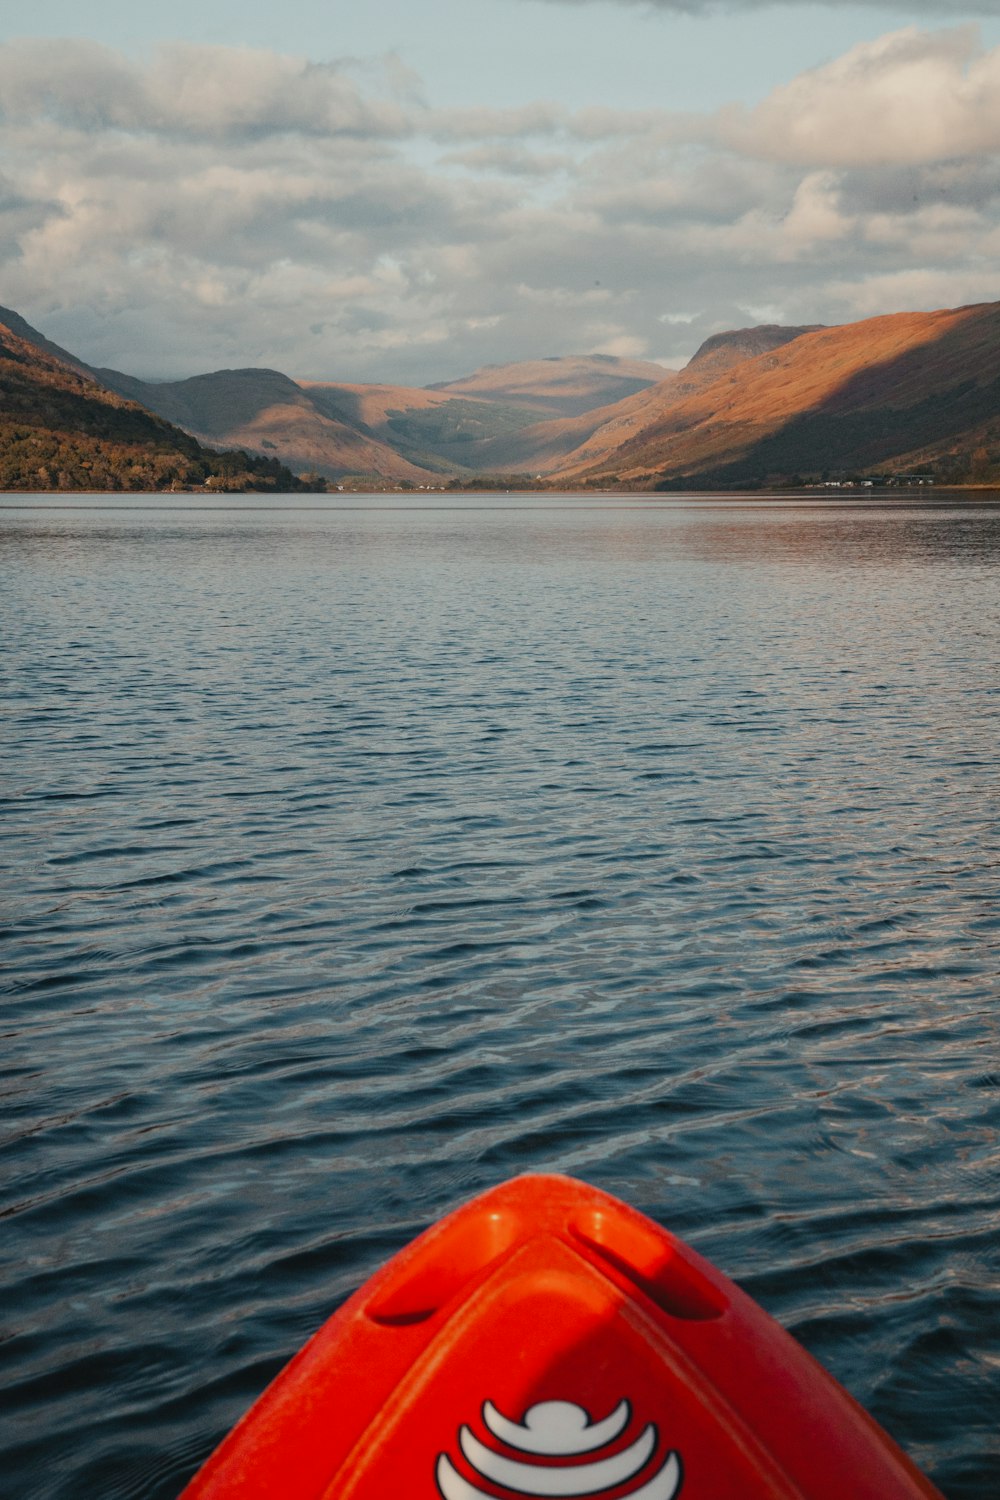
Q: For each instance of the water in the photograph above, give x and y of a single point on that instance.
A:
(358, 858)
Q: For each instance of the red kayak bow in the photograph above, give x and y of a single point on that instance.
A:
(545, 1340)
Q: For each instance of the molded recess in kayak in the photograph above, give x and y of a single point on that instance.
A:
(443, 1267)
(662, 1271)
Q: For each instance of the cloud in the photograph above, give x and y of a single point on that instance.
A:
(511, 161)
(219, 207)
(496, 124)
(708, 7)
(188, 90)
(908, 97)
(905, 191)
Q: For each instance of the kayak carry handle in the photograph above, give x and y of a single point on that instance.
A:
(442, 1266)
(651, 1262)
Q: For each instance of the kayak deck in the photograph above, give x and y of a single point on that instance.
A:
(547, 1340)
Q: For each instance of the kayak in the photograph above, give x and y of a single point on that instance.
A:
(546, 1340)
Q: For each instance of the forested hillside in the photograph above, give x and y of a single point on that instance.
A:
(61, 430)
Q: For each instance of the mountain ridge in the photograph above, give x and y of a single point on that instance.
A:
(597, 432)
(265, 412)
(61, 428)
(852, 397)
(761, 406)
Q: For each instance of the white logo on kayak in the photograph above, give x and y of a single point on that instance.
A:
(560, 1430)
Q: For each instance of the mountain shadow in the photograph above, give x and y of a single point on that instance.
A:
(932, 402)
(886, 393)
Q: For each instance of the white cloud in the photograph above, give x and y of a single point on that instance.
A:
(912, 96)
(187, 90)
(815, 215)
(621, 345)
(223, 207)
(868, 295)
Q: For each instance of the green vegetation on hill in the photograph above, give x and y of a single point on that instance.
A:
(907, 394)
(60, 430)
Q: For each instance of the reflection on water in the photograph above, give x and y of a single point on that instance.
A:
(844, 535)
(361, 858)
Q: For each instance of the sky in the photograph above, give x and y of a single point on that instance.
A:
(407, 190)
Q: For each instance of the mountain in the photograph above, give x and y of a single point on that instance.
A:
(893, 393)
(450, 434)
(61, 428)
(545, 447)
(723, 351)
(484, 422)
(754, 407)
(566, 385)
(266, 413)
(385, 434)
(15, 324)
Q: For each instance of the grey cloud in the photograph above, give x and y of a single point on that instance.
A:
(79, 84)
(666, 126)
(359, 319)
(488, 124)
(20, 215)
(672, 187)
(904, 191)
(154, 227)
(510, 161)
(187, 90)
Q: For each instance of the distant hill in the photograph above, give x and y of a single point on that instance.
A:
(754, 407)
(439, 433)
(545, 447)
(886, 394)
(61, 428)
(567, 385)
(266, 413)
(486, 422)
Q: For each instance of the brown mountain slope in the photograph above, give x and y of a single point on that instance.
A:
(14, 323)
(61, 429)
(543, 447)
(565, 385)
(264, 412)
(596, 434)
(485, 422)
(451, 434)
(430, 429)
(497, 430)
(371, 405)
(723, 351)
(862, 396)
(390, 434)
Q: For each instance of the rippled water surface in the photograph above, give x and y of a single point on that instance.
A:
(358, 858)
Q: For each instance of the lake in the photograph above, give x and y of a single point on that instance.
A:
(360, 854)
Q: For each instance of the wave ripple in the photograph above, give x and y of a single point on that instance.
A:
(359, 859)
